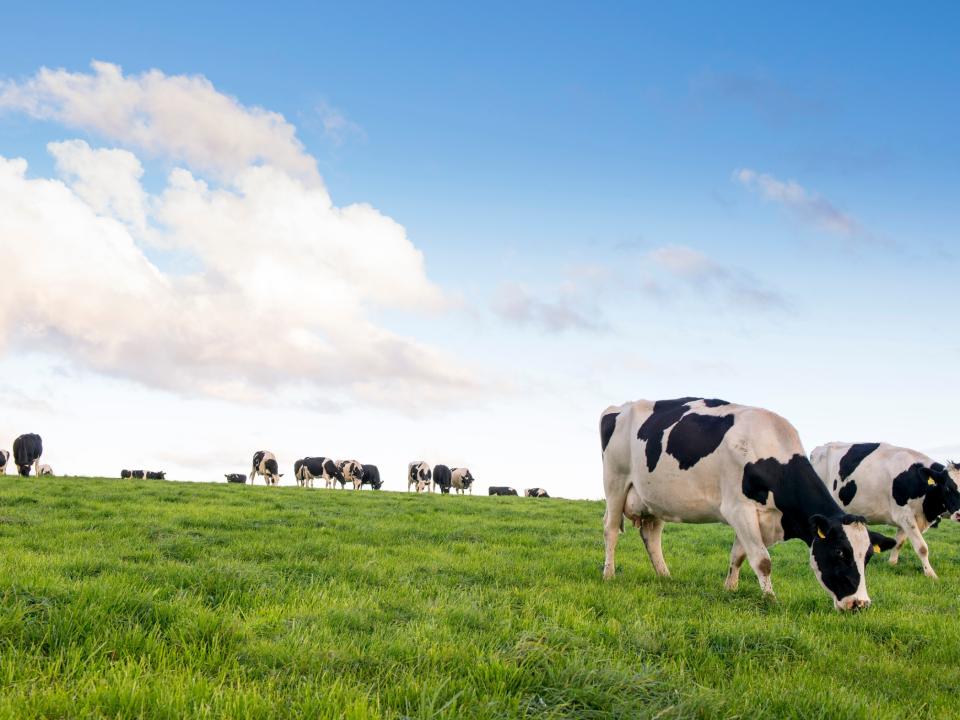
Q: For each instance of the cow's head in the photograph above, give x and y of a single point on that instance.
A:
(839, 553)
(943, 496)
(24, 470)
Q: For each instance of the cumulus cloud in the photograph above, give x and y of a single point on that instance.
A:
(180, 117)
(516, 305)
(808, 206)
(283, 286)
(700, 273)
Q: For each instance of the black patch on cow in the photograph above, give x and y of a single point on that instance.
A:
(441, 476)
(938, 498)
(501, 490)
(236, 478)
(847, 492)
(271, 467)
(834, 558)
(715, 402)
(257, 458)
(665, 414)
(696, 436)
(125, 474)
(854, 456)
(910, 484)
(834, 484)
(26, 450)
(608, 423)
(371, 477)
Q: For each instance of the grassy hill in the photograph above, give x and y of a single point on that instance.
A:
(169, 600)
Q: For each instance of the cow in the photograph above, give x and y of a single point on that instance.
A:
(137, 474)
(501, 490)
(693, 460)
(311, 468)
(27, 450)
(371, 477)
(892, 485)
(536, 492)
(156, 475)
(4, 458)
(419, 474)
(442, 478)
(125, 474)
(44, 470)
(350, 471)
(236, 478)
(462, 480)
(265, 463)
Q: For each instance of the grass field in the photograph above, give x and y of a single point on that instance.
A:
(170, 600)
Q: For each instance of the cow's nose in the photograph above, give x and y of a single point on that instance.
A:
(956, 516)
(858, 604)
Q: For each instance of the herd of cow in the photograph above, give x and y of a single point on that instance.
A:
(698, 460)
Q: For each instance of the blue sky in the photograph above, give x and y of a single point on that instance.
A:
(588, 154)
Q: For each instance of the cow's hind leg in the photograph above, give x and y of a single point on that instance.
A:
(651, 530)
(895, 553)
(737, 556)
(612, 520)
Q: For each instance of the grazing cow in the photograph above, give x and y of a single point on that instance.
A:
(462, 480)
(700, 461)
(536, 492)
(371, 477)
(318, 467)
(419, 474)
(44, 470)
(265, 463)
(137, 474)
(501, 490)
(891, 485)
(125, 474)
(350, 471)
(236, 478)
(4, 458)
(27, 450)
(442, 478)
(158, 475)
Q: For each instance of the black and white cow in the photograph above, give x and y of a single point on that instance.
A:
(371, 477)
(4, 459)
(265, 464)
(311, 468)
(350, 472)
(536, 492)
(44, 470)
(501, 490)
(700, 461)
(892, 485)
(27, 450)
(236, 478)
(442, 478)
(137, 474)
(419, 474)
(156, 475)
(125, 474)
(462, 480)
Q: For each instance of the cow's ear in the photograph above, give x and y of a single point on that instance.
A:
(936, 474)
(281, 475)
(880, 542)
(819, 526)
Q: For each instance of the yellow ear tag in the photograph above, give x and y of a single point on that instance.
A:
(876, 549)
(931, 481)
(820, 534)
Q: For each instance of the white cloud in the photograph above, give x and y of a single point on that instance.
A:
(806, 205)
(180, 117)
(283, 285)
(518, 306)
(337, 126)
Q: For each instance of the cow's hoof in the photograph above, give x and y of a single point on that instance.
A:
(893, 560)
(931, 574)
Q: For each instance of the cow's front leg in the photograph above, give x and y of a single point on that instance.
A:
(746, 525)
(895, 553)
(737, 556)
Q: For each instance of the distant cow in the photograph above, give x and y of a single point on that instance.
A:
(371, 477)
(27, 450)
(125, 474)
(462, 480)
(442, 478)
(4, 458)
(501, 490)
(44, 470)
(265, 464)
(350, 472)
(311, 468)
(419, 474)
(535, 492)
(236, 478)
(892, 485)
(704, 461)
(158, 475)
(137, 474)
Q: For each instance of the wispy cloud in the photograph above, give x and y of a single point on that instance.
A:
(336, 126)
(807, 206)
(774, 101)
(516, 305)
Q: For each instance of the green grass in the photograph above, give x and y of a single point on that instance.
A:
(169, 600)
